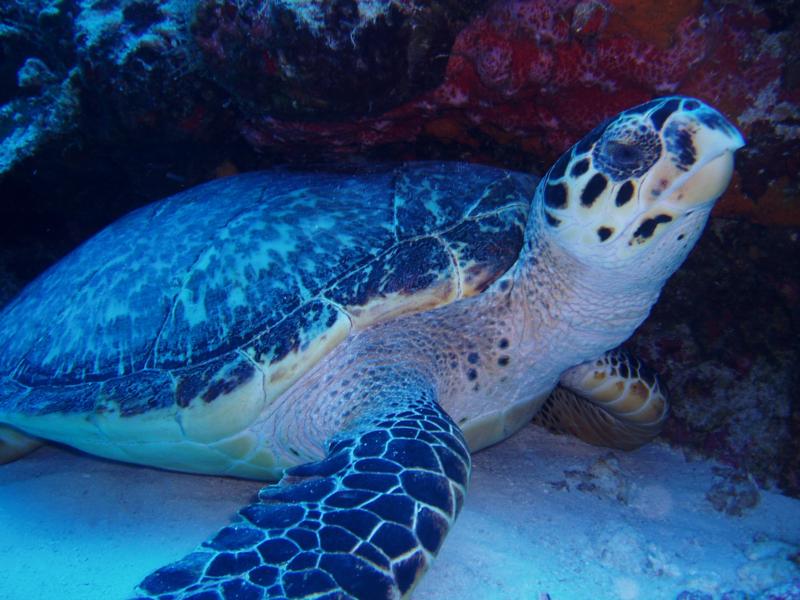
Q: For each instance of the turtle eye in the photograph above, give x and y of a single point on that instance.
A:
(624, 155)
(626, 150)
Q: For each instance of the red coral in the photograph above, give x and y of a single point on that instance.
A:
(532, 65)
(538, 74)
(541, 20)
(493, 59)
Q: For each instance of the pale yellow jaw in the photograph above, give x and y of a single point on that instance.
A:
(702, 185)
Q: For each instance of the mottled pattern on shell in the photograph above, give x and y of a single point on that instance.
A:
(158, 308)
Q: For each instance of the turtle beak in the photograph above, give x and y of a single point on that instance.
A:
(715, 140)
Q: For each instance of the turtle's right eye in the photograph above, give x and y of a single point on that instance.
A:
(624, 154)
(626, 150)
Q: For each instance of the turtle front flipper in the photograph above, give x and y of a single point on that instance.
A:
(363, 523)
(15, 444)
(613, 401)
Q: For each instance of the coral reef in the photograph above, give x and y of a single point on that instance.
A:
(317, 60)
(193, 70)
(528, 77)
(39, 84)
(515, 85)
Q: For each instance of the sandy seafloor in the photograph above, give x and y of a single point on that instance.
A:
(545, 515)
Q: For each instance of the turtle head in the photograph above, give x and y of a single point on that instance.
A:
(635, 193)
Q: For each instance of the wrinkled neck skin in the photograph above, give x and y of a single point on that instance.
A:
(571, 312)
(547, 314)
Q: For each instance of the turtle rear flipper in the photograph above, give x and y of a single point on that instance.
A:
(14, 444)
(613, 401)
(365, 522)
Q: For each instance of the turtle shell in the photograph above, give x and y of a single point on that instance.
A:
(189, 298)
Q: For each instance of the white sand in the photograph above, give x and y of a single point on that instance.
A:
(78, 528)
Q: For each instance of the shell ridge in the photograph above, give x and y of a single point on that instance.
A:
(479, 198)
(456, 267)
(338, 307)
(152, 352)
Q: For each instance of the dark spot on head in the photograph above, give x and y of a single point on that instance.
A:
(713, 120)
(472, 374)
(503, 361)
(472, 358)
(551, 220)
(624, 194)
(681, 236)
(560, 167)
(662, 114)
(680, 146)
(604, 233)
(580, 167)
(593, 189)
(648, 226)
(453, 364)
(691, 105)
(504, 285)
(555, 195)
(503, 343)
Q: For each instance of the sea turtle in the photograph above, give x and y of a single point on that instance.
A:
(357, 335)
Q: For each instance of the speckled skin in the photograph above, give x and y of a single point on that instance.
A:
(367, 332)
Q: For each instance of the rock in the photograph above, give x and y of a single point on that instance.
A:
(772, 563)
(733, 492)
(325, 60)
(604, 478)
(34, 74)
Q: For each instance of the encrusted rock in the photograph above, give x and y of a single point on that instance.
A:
(604, 479)
(733, 492)
(772, 566)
